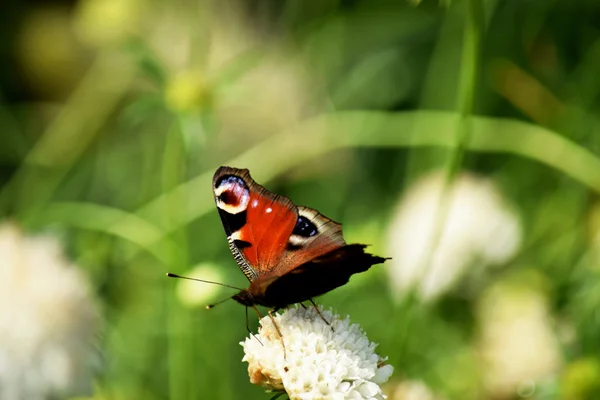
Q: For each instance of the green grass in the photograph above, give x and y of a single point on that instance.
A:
(371, 96)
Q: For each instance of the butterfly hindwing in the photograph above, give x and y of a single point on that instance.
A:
(313, 236)
(319, 275)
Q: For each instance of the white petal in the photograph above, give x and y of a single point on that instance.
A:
(320, 363)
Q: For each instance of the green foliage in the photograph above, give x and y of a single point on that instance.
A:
(341, 106)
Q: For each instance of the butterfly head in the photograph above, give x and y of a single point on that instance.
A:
(245, 298)
(256, 293)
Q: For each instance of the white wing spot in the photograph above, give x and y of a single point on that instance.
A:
(268, 210)
(254, 203)
(237, 235)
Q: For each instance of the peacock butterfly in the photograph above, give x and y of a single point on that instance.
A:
(289, 253)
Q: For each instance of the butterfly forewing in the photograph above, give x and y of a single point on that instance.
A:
(258, 223)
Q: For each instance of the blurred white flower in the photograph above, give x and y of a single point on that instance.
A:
(280, 82)
(195, 294)
(517, 343)
(221, 65)
(434, 240)
(413, 390)
(320, 363)
(47, 319)
(192, 50)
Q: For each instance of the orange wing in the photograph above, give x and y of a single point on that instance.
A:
(267, 233)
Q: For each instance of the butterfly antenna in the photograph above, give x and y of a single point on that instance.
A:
(170, 275)
(208, 307)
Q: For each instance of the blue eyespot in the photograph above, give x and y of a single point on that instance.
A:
(230, 180)
(304, 228)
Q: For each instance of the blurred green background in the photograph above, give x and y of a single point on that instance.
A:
(114, 115)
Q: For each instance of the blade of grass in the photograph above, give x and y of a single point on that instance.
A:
(180, 350)
(323, 134)
(318, 136)
(114, 222)
(466, 95)
(67, 137)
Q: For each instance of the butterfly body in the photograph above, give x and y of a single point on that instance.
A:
(289, 253)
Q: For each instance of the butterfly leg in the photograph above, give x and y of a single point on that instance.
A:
(257, 312)
(248, 327)
(319, 312)
(278, 331)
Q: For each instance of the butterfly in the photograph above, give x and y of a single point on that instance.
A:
(289, 253)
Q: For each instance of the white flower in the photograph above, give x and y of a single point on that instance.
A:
(517, 342)
(320, 362)
(434, 240)
(47, 319)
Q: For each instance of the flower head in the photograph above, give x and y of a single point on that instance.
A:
(47, 319)
(517, 341)
(222, 67)
(434, 239)
(321, 361)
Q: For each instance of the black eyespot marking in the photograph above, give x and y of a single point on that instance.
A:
(232, 222)
(241, 244)
(304, 228)
(232, 193)
(230, 180)
(229, 198)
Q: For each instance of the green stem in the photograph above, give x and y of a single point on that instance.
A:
(466, 95)
(180, 356)
(468, 84)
